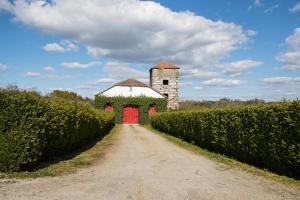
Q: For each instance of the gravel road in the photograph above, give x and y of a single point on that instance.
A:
(142, 165)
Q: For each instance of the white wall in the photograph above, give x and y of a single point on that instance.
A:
(131, 91)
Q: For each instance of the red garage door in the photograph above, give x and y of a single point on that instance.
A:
(130, 115)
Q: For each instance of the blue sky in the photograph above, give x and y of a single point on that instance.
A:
(225, 48)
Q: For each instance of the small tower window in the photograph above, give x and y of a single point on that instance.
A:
(165, 82)
(166, 95)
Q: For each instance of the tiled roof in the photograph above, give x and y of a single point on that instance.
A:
(165, 65)
(131, 83)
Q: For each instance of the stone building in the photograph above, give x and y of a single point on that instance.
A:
(164, 79)
(139, 99)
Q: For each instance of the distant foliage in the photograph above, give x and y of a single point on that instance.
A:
(143, 103)
(265, 135)
(222, 103)
(35, 128)
(69, 96)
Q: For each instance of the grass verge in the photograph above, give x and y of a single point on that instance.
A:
(69, 163)
(228, 161)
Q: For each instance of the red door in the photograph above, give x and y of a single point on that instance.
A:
(151, 110)
(108, 108)
(130, 115)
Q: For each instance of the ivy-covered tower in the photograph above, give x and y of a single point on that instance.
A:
(164, 79)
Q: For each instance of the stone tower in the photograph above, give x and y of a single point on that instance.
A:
(164, 79)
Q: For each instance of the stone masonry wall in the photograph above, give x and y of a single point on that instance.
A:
(156, 82)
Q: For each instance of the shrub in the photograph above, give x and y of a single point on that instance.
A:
(35, 128)
(265, 135)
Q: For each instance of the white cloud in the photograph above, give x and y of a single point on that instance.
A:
(196, 73)
(49, 69)
(184, 84)
(198, 88)
(77, 65)
(99, 82)
(270, 9)
(47, 77)
(236, 68)
(114, 72)
(133, 31)
(144, 80)
(293, 40)
(297, 79)
(277, 80)
(123, 70)
(223, 82)
(257, 3)
(281, 80)
(235, 74)
(290, 93)
(69, 46)
(6, 5)
(62, 47)
(295, 8)
(251, 32)
(56, 77)
(53, 47)
(291, 58)
(32, 74)
(3, 67)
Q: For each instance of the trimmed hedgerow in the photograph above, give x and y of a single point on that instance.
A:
(267, 136)
(35, 128)
(143, 103)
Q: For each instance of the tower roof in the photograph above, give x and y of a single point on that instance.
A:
(131, 83)
(165, 65)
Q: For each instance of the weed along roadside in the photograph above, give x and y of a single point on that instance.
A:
(36, 130)
(267, 136)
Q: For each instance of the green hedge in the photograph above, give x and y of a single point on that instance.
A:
(142, 103)
(266, 136)
(35, 128)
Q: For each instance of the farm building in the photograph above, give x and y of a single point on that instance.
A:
(134, 102)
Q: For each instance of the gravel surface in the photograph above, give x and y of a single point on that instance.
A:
(143, 165)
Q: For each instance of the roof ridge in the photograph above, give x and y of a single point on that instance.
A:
(131, 83)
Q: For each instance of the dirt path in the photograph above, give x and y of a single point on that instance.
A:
(142, 165)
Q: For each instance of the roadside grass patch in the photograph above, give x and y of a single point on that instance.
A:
(229, 162)
(80, 158)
